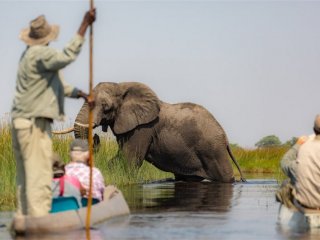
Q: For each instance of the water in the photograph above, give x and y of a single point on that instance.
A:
(179, 210)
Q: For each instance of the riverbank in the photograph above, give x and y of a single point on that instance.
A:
(115, 169)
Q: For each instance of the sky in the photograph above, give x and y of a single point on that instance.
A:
(255, 65)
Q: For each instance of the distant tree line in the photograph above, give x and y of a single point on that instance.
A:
(274, 141)
(270, 141)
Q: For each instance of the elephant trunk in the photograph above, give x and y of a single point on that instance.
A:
(81, 123)
(80, 131)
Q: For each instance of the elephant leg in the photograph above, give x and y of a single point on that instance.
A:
(135, 145)
(132, 154)
(218, 166)
(96, 142)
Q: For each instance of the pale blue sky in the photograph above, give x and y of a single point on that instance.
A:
(255, 65)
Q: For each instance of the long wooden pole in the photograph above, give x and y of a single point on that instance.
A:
(90, 139)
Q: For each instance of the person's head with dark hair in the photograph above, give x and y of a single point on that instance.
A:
(57, 166)
(316, 127)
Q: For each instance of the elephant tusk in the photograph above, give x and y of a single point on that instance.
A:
(82, 125)
(69, 130)
(64, 131)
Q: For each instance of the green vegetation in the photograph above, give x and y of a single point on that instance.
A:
(268, 141)
(7, 168)
(112, 165)
(274, 141)
(117, 171)
(261, 160)
(291, 142)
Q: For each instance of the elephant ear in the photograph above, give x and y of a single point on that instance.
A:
(140, 105)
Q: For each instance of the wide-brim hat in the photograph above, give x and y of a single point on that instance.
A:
(40, 32)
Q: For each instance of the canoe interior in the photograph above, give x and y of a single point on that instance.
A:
(72, 220)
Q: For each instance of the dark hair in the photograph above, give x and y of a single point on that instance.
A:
(58, 168)
(316, 131)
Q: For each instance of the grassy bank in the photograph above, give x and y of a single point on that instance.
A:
(260, 160)
(7, 168)
(114, 167)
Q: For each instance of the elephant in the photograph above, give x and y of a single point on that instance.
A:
(184, 138)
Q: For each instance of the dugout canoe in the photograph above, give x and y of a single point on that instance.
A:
(72, 219)
(300, 218)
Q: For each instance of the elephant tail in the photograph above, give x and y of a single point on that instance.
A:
(236, 163)
(64, 131)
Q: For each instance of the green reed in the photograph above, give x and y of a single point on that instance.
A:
(7, 167)
(112, 164)
(261, 160)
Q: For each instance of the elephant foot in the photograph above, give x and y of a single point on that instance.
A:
(165, 180)
(186, 178)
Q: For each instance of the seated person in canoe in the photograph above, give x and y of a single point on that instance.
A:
(64, 185)
(78, 167)
(302, 165)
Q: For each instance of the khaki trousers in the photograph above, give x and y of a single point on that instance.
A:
(32, 147)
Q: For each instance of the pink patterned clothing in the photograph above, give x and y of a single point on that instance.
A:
(82, 172)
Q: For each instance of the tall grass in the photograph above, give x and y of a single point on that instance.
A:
(7, 167)
(115, 168)
(261, 160)
(112, 164)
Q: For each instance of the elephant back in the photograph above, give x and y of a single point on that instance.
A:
(194, 122)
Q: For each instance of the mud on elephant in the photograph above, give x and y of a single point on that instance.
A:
(182, 138)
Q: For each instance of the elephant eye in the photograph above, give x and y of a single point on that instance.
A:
(107, 109)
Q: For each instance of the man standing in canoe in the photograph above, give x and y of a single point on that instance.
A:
(38, 100)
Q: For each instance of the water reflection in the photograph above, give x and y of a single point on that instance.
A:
(178, 210)
(180, 196)
(301, 233)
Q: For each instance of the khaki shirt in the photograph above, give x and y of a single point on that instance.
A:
(40, 87)
(288, 163)
(307, 186)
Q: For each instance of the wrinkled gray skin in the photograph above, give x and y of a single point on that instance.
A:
(183, 138)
